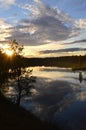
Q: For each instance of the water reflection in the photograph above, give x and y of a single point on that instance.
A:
(59, 96)
(62, 95)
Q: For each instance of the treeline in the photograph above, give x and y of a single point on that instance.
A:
(18, 61)
(74, 62)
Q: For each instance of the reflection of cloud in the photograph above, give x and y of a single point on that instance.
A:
(81, 96)
(55, 69)
(55, 91)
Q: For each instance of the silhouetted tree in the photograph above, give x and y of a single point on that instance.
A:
(17, 49)
(22, 84)
(13, 68)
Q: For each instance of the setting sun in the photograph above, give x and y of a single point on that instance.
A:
(9, 52)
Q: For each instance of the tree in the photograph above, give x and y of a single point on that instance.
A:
(17, 49)
(22, 85)
(14, 68)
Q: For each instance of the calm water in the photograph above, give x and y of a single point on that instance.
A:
(59, 97)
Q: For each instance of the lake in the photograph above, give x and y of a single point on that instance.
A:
(59, 97)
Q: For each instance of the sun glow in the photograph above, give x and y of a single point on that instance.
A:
(9, 52)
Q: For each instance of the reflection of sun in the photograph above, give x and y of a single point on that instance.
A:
(9, 52)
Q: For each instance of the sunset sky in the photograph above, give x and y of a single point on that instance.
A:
(45, 27)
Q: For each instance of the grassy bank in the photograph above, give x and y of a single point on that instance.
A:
(13, 117)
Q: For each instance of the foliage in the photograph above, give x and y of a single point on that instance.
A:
(13, 62)
(22, 84)
(17, 49)
(13, 72)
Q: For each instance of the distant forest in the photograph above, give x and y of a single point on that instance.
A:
(74, 62)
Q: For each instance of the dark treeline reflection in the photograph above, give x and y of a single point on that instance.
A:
(74, 62)
(13, 72)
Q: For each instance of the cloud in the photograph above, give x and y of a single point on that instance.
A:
(7, 3)
(4, 30)
(81, 23)
(61, 50)
(44, 25)
(79, 41)
(74, 42)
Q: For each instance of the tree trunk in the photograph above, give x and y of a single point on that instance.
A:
(19, 92)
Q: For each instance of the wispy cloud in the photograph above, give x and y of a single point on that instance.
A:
(81, 23)
(4, 30)
(7, 3)
(62, 50)
(74, 42)
(45, 25)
